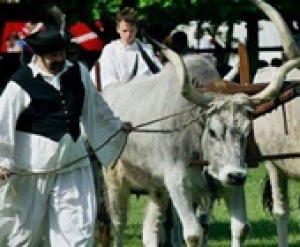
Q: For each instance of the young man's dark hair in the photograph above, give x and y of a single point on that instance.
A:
(179, 42)
(128, 15)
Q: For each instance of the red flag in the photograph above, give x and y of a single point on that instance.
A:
(86, 37)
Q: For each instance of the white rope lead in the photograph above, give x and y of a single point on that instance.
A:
(70, 166)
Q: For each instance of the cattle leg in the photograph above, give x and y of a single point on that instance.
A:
(174, 235)
(279, 187)
(103, 219)
(235, 201)
(153, 228)
(182, 202)
(118, 193)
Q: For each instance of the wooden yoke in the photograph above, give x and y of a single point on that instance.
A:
(227, 87)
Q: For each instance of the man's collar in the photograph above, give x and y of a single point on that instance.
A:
(129, 46)
(36, 69)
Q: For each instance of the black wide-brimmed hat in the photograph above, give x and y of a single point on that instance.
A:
(47, 41)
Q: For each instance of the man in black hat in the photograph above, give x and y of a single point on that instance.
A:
(48, 110)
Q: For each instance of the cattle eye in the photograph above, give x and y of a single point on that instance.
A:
(243, 139)
(236, 133)
(212, 133)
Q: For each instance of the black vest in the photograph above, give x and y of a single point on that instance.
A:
(51, 113)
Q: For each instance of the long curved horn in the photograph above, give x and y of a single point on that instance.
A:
(288, 42)
(188, 91)
(276, 82)
(233, 72)
(290, 48)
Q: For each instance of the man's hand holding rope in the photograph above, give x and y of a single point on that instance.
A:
(4, 173)
(127, 127)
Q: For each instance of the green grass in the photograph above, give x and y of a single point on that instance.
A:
(263, 229)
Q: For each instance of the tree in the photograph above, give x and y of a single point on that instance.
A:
(159, 17)
(165, 14)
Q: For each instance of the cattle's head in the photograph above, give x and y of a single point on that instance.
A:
(224, 138)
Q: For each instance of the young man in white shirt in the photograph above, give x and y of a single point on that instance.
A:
(124, 58)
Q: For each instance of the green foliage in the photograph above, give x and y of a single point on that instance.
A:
(166, 11)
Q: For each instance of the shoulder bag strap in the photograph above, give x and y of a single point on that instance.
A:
(152, 66)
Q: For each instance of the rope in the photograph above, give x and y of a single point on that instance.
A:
(67, 167)
(165, 117)
(166, 131)
(136, 128)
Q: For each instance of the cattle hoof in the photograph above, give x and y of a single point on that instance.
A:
(278, 211)
(204, 222)
(245, 232)
(192, 241)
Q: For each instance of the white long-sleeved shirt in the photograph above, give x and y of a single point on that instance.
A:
(117, 62)
(21, 151)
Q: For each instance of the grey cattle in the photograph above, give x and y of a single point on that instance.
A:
(271, 137)
(214, 126)
(270, 133)
(159, 162)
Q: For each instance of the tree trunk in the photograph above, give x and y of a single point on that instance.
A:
(252, 45)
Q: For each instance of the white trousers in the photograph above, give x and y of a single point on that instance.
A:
(48, 210)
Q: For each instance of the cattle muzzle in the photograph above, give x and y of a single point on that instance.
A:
(236, 178)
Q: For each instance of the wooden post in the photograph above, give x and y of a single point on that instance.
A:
(252, 149)
(97, 76)
(244, 65)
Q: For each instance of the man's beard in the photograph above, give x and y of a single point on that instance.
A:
(56, 67)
